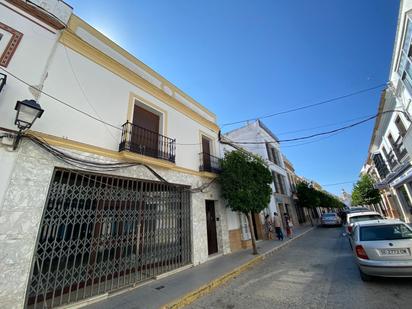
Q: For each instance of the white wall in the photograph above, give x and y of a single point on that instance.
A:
(28, 62)
(233, 220)
(102, 94)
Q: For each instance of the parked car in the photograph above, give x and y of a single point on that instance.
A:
(354, 217)
(331, 218)
(382, 248)
(357, 209)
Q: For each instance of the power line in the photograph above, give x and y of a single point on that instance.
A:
(323, 126)
(235, 142)
(84, 92)
(309, 105)
(338, 183)
(326, 132)
(61, 101)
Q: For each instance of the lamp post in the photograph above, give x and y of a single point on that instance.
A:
(27, 113)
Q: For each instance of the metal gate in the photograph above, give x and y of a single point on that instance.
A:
(101, 232)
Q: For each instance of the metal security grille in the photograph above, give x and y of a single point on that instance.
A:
(100, 233)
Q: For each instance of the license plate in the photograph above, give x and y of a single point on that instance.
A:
(394, 252)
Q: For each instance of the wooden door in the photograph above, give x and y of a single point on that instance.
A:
(211, 227)
(145, 133)
(206, 154)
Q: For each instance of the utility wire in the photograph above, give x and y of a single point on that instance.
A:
(61, 101)
(326, 132)
(324, 126)
(338, 183)
(93, 166)
(84, 93)
(309, 105)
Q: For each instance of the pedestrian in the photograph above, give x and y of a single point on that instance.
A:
(289, 225)
(278, 226)
(268, 227)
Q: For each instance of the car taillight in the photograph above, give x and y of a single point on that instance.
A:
(360, 252)
(350, 227)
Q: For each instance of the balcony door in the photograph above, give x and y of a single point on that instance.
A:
(145, 132)
(207, 164)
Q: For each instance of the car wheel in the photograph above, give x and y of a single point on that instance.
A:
(365, 277)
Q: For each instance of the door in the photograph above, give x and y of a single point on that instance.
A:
(211, 227)
(206, 154)
(145, 132)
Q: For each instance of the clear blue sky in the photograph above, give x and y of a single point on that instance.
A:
(243, 58)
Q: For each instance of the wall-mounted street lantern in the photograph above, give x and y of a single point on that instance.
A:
(27, 113)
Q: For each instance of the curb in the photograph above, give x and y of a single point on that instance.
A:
(211, 285)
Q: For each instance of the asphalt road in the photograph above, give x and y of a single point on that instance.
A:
(315, 271)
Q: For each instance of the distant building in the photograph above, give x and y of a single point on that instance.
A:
(346, 198)
(281, 200)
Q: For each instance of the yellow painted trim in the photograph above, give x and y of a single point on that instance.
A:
(76, 22)
(133, 97)
(72, 41)
(120, 156)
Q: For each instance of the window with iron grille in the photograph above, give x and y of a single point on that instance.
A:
(101, 232)
(380, 165)
(400, 126)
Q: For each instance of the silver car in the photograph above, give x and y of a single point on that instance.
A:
(382, 248)
(354, 217)
(330, 218)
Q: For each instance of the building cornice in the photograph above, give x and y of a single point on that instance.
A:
(120, 156)
(76, 22)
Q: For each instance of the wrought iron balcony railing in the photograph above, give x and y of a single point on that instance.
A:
(148, 143)
(3, 79)
(209, 163)
(399, 148)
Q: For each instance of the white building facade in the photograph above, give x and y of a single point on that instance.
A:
(390, 150)
(266, 146)
(103, 191)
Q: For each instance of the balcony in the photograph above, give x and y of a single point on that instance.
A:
(399, 148)
(3, 79)
(147, 143)
(209, 163)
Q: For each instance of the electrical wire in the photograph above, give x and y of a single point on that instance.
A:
(197, 144)
(323, 126)
(94, 166)
(84, 92)
(325, 132)
(338, 183)
(61, 101)
(309, 105)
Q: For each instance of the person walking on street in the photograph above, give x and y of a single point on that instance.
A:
(268, 227)
(278, 226)
(289, 225)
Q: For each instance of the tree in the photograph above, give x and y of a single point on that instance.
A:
(309, 197)
(245, 182)
(364, 193)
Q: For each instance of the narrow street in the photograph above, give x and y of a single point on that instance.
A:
(315, 271)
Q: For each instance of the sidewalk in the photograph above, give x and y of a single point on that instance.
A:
(186, 286)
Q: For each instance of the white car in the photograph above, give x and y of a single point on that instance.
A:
(354, 217)
(382, 248)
